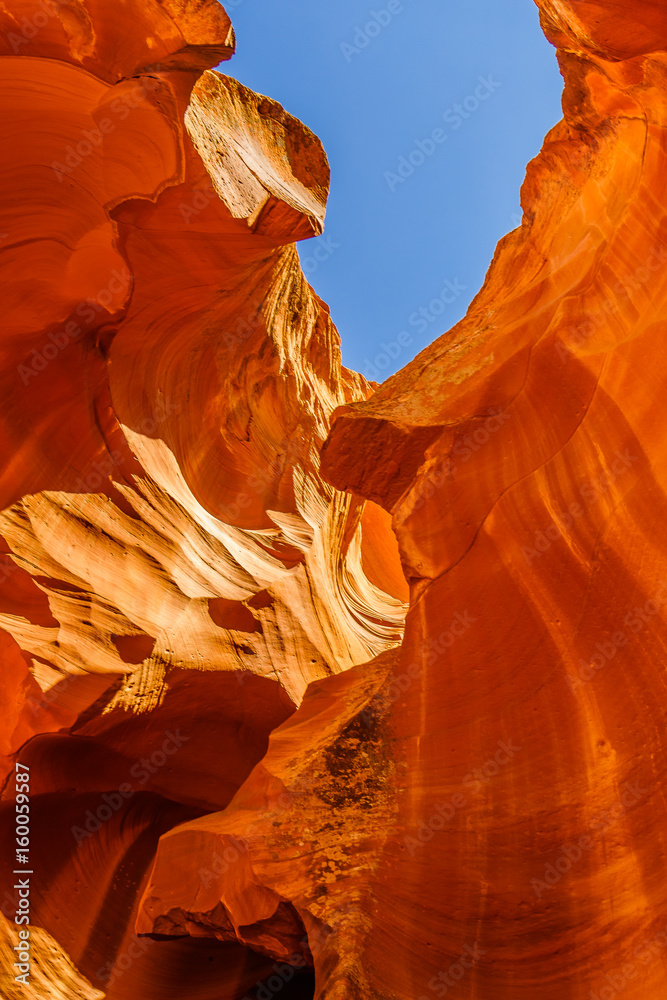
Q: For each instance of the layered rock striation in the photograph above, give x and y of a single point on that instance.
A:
(175, 569)
(198, 507)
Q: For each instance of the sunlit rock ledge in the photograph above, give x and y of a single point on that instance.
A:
(248, 772)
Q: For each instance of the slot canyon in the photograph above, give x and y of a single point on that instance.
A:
(318, 688)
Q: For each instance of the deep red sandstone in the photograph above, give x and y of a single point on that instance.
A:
(495, 787)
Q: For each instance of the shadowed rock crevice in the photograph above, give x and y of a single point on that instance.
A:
(251, 775)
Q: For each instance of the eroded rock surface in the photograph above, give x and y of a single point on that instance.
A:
(196, 504)
(175, 568)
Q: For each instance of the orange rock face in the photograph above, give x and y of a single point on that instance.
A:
(244, 781)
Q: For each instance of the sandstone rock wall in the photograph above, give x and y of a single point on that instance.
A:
(204, 513)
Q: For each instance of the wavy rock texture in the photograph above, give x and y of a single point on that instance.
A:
(175, 568)
(479, 813)
(513, 842)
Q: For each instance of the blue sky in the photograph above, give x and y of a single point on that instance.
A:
(429, 111)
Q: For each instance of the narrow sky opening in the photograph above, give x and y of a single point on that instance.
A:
(429, 113)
